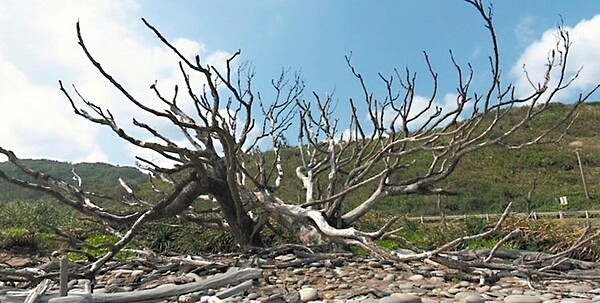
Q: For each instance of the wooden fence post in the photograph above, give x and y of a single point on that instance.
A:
(64, 276)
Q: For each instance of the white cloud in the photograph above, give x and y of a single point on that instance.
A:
(35, 121)
(585, 38)
(40, 46)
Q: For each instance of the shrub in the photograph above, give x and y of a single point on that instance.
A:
(19, 239)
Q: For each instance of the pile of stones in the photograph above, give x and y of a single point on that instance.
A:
(289, 278)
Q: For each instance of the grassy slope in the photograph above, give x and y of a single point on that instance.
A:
(485, 180)
(488, 179)
(97, 177)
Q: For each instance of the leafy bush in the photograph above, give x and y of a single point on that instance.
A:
(97, 245)
(20, 239)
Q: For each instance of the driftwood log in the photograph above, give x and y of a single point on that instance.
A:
(243, 277)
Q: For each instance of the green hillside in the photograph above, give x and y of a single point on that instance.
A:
(488, 179)
(484, 181)
(96, 177)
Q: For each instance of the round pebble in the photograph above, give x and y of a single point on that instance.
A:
(469, 297)
(579, 288)
(415, 278)
(400, 298)
(308, 294)
(522, 299)
(367, 281)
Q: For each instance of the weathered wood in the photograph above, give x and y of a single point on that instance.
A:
(535, 215)
(230, 292)
(64, 276)
(230, 277)
(20, 296)
(38, 292)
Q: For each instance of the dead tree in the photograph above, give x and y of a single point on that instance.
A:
(221, 160)
(399, 133)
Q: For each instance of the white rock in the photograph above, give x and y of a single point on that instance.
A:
(522, 299)
(415, 278)
(308, 294)
(404, 298)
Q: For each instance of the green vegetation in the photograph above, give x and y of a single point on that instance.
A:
(97, 245)
(97, 177)
(484, 182)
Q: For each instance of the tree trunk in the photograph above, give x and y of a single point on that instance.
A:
(241, 226)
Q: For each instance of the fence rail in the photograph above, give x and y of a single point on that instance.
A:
(535, 215)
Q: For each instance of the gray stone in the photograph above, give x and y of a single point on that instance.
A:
(286, 258)
(308, 294)
(505, 291)
(469, 297)
(575, 300)
(298, 271)
(490, 297)
(405, 286)
(342, 273)
(276, 297)
(330, 287)
(532, 293)
(403, 251)
(548, 297)
(454, 290)
(446, 294)
(429, 286)
(579, 288)
(522, 299)
(415, 278)
(483, 288)
(400, 298)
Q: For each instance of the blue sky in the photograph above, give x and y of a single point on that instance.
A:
(38, 48)
(314, 36)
